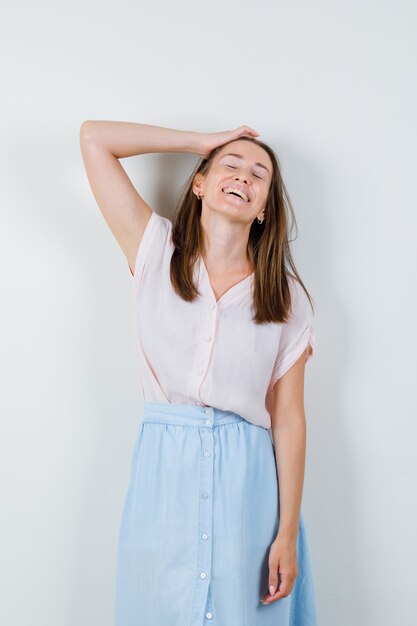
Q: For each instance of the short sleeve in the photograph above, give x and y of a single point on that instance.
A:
(155, 229)
(297, 334)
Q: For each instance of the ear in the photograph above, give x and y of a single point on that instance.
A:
(198, 183)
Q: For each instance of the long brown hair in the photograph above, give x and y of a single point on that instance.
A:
(268, 245)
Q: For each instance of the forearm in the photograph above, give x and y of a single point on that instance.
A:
(290, 447)
(125, 139)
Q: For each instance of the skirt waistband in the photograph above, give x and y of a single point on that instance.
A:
(188, 414)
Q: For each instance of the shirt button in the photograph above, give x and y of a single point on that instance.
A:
(204, 494)
(208, 422)
(212, 306)
(204, 535)
(208, 338)
(209, 615)
(207, 411)
(206, 453)
(200, 372)
(203, 575)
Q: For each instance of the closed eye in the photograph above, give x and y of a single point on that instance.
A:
(234, 168)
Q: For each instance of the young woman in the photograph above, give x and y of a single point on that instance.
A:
(212, 530)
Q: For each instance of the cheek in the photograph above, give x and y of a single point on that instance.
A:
(265, 194)
(214, 185)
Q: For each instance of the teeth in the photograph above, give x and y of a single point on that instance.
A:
(238, 191)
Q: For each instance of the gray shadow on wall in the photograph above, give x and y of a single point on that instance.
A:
(115, 389)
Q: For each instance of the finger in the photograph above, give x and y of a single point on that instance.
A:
(247, 133)
(246, 127)
(246, 130)
(274, 575)
(285, 588)
(281, 593)
(273, 580)
(274, 583)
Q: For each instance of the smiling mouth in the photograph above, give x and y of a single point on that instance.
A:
(232, 191)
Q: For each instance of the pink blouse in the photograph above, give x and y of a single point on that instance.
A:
(209, 352)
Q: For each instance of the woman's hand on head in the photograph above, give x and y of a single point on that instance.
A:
(209, 141)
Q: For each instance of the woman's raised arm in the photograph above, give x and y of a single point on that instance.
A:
(102, 144)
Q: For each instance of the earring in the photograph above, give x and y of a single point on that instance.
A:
(260, 220)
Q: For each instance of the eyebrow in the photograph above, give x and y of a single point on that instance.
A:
(239, 156)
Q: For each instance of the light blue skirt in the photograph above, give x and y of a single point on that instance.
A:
(200, 514)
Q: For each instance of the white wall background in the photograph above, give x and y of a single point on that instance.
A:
(332, 87)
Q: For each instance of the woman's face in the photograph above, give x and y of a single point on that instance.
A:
(242, 166)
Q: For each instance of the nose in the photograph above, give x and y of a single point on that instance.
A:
(242, 177)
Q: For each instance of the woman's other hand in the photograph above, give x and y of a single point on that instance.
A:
(283, 569)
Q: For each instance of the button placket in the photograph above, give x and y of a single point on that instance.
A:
(208, 615)
(206, 346)
(205, 524)
(203, 352)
